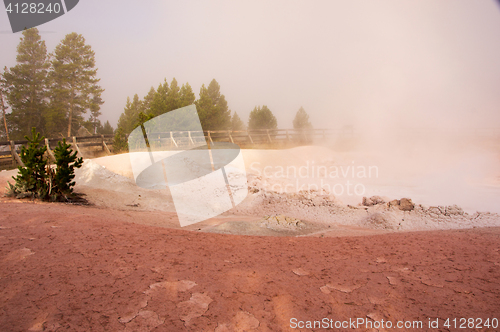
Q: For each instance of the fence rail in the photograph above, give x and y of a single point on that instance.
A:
(9, 150)
(244, 138)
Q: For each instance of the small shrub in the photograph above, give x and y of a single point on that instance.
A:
(32, 179)
(38, 179)
(66, 161)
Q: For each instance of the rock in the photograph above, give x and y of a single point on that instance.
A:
(382, 220)
(406, 204)
(253, 190)
(377, 200)
(282, 222)
(393, 203)
(454, 210)
(374, 200)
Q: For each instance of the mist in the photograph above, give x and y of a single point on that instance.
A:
(417, 81)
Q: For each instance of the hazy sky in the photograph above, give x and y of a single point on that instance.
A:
(372, 63)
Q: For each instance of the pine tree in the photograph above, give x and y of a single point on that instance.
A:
(262, 118)
(37, 179)
(25, 85)
(148, 99)
(90, 125)
(128, 118)
(301, 120)
(187, 95)
(73, 79)
(120, 143)
(212, 108)
(172, 100)
(236, 123)
(32, 178)
(164, 99)
(158, 105)
(66, 162)
(106, 129)
(95, 107)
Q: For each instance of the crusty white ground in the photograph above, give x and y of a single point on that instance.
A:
(108, 181)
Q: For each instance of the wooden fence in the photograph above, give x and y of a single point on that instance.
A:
(9, 150)
(272, 138)
(275, 138)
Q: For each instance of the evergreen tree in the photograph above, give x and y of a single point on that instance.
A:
(120, 143)
(187, 95)
(236, 123)
(73, 81)
(66, 162)
(95, 106)
(37, 179)
(301, 120)
(164, 99)
(262, 118)
(25, 85)
(56, 120)
(173, 96)
(159, 103)
(212, 108)
(148, 99)
(32, 178)
(107, 129)
(128, 118)
(90, 125)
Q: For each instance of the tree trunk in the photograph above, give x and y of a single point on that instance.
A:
(4, 119)
(70, 113)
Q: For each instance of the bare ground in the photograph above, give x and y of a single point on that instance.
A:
(84, 268)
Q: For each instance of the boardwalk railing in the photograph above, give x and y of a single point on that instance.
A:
(9, 150)
(244, 138)
(263, 138)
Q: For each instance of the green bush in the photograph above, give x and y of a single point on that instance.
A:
(120, 143)
(38, 179)
(65, 169)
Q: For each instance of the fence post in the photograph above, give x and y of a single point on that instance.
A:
(104, 146)
(248, 133)
(173, 140)
(49, 151)
(190, 138)
(268, 136)
(230, 137)
(76, 147)
(15, 155)
(210, 137)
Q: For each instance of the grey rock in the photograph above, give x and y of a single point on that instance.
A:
(406, 204)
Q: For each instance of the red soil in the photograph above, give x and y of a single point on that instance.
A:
(77, 268)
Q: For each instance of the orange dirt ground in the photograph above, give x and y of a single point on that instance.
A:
(83, 268)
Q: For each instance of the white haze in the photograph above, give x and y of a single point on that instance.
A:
(417, 80)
